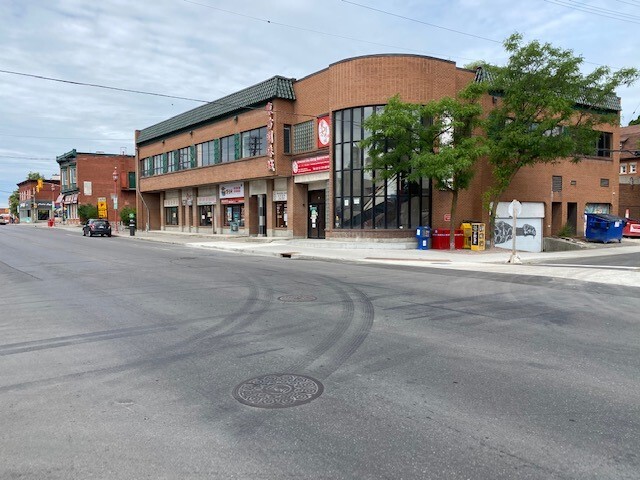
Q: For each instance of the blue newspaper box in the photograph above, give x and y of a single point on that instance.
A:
(423, 235)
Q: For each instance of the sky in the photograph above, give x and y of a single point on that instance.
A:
(206, 49)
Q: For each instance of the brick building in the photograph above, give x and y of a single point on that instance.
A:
(87, 178)
(281, 158)
(38, 204)
(629, 174)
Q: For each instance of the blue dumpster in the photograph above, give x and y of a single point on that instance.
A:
(423, 235)
(603, 227)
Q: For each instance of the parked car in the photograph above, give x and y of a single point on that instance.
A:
(97, 226)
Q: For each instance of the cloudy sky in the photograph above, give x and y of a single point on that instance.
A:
(206, 49)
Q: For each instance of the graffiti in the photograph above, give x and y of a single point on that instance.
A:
(503, 231)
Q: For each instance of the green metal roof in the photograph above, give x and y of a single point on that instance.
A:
(275, 87)
(611, 102)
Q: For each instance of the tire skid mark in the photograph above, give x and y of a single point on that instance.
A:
(363, 324)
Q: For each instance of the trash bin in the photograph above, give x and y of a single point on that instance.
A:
(423, 235)
(632, 228)
(603, 227)
(440, 239)
(234, 227)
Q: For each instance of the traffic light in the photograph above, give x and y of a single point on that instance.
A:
(39, 187)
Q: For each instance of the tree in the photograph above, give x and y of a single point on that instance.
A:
(35, 176)
(547, 109)
(87, 211)
(14, 203)
(635, 122)
(434, 140)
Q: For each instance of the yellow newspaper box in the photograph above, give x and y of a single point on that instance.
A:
(477, 236)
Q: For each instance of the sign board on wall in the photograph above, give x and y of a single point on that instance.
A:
(232, 193)
(206, 200)
(279, 196)
(311, 165)
(324, 131)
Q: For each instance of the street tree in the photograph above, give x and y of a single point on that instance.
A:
(547, 109)
(14, 202)
(435, 140)
(35, 176)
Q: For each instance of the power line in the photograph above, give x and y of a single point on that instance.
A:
(28, 158)
(70, 138)
(595, 11)
(95, 85)
(319, 32)
(421, 22)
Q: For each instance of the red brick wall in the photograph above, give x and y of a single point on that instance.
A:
(98, 169)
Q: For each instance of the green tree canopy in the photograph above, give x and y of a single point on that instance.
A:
(635, 122)
(434, 140)
(35, 176)
(547, 109)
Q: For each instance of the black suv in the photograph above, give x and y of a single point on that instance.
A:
(97, 226)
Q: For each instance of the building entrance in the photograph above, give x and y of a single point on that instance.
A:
(316, 214)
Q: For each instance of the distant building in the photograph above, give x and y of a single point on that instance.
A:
(89, 178)
(629, 173)
(38, 205)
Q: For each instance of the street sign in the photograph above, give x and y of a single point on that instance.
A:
(514, 206)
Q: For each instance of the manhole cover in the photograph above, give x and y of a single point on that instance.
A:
(297, 298)
(278, 390)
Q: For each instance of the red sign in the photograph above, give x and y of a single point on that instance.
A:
(447, 217)
(324, 131)
(311, 165)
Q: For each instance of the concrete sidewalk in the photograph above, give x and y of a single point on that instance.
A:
(405, 253)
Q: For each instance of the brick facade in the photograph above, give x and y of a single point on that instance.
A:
(630, 171)
(356, 82)
(94, 180)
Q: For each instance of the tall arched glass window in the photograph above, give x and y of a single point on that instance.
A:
(362, 199)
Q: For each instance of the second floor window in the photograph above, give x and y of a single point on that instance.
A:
(227, 149)
(604, 144)
(254, 142)
(303, 137)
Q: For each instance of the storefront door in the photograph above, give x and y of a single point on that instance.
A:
(316, 214)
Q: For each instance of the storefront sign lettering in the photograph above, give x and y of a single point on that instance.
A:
(311, 165)
(271, 161)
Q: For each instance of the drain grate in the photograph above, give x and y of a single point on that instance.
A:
(278, 390)
(297, 298)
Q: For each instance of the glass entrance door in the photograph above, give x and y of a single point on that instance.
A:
(316, 215)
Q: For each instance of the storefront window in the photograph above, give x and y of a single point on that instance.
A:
(281, 214)
(171, 215)
(206, 215)
(234, 213)
(363, 198)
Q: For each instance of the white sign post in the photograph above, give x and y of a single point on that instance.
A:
(514, 209)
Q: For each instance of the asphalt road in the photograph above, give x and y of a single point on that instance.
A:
(120, 360)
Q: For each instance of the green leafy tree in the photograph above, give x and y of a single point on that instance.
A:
(635, 122)
(14, 203)
(87, 211)
(434, 140)
(547, 109)
(124, 214)
(35, 176)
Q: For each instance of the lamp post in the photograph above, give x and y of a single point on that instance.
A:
(115, 194)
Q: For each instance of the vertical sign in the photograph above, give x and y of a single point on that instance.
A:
(271, 162)
(324, 132)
